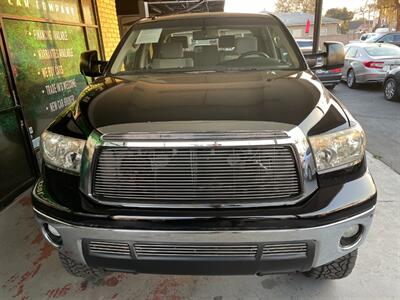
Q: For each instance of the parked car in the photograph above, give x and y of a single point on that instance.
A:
(391, 88)
(215, 162)
(367, 36)
(330, 78)
(364, 62)
(389, 37)
(305, 45)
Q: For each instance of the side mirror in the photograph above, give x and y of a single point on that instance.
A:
(332, 58)
(334, 55)
(90, 65)
(381, 42)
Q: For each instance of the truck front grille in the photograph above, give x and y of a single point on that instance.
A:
(204, 175)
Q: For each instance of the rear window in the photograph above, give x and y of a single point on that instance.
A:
(383, 51)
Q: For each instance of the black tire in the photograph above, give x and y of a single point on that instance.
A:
(331, 87)
(351, 79)
(337, 269)
(391, 90)
(80, 270)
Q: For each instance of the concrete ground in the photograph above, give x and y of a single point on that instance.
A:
(380, 119)
(29, 267)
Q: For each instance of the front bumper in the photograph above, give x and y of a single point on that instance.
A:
(323, 247)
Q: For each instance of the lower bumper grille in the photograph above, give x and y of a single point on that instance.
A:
(109, 248)
(183, 251)
(287, 250)
(212, 251)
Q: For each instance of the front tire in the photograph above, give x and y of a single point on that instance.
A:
(390, 90)
(351, 79)
(337, 269)
(80, 270)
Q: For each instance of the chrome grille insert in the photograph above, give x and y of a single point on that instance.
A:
(285, 249)
(109, 248)
(176, 250)
(206, 175)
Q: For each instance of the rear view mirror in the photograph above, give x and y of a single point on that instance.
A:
(90, 65)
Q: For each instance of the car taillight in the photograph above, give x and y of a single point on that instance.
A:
(374, 64)
(339, 70)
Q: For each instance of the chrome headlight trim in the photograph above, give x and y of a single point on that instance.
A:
(338, 150)
(62, 152)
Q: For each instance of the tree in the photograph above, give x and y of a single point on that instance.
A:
(306, 6)
(341, 14)
(389, 11)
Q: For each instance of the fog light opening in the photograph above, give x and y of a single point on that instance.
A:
(351, 236)
(52, 235)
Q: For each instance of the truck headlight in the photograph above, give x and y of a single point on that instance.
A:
(62, 151)
(338, 150)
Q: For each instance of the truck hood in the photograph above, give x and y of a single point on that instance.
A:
(280, 96)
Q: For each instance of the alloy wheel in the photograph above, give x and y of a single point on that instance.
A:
(390, 89)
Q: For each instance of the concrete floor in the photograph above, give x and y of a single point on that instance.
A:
(29, 267)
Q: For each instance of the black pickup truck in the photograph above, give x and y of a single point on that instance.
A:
(206, 146)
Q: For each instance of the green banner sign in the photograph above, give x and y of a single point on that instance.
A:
(45, 64)
(56, 10)
(5, 97)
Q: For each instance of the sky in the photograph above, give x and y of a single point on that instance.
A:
(250, 6)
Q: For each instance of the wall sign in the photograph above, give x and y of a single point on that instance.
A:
(45, 64)
(55, 10)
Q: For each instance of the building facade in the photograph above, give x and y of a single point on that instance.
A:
(297, 24)
(41, 42)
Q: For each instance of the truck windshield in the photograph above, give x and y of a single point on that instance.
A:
(210, 44)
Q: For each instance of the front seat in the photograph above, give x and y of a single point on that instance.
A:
(243, 45)
(171, 57)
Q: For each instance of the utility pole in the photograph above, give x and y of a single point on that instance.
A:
(317, 24)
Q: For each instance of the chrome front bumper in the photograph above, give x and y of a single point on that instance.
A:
(326, 238)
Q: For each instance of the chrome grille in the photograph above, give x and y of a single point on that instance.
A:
(187, 174)
(279, 250)
(109, 248)
(168, 250)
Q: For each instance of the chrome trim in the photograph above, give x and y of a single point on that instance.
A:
(297, 250)
(174, 135)
(326, 237)
(109, 248)
(146, 250)
(295, 139)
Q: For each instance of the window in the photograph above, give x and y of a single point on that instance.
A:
(351, 53)
(383, 50)
(389, 38)
(206, 44)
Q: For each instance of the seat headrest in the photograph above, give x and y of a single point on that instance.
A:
(226, 41)
(171, 50)
(246, 44)
(180, 39)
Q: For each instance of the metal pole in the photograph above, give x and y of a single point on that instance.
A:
(317, 24)
(146, 9)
